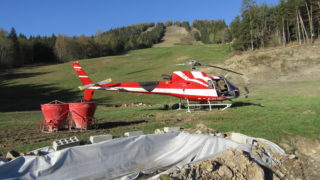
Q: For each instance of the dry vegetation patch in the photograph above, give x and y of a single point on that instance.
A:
(270, 65)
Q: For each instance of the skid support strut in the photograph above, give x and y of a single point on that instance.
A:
(188, 105)
(208, 105)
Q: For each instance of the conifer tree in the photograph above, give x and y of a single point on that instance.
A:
(15, 51)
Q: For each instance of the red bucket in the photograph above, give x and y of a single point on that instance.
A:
(55, 114)
(82, 113)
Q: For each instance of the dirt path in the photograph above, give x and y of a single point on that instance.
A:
(175, 35)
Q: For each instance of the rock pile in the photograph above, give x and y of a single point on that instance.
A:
(240, 164)
(203, 129)
(237, 164)
(135, 105)
(231, 164)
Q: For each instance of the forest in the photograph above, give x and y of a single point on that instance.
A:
(257, 26)
(17, 50)
(260, 26)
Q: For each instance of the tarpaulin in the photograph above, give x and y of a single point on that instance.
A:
(123, 158)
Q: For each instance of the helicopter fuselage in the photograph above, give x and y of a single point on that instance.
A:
(191, 85)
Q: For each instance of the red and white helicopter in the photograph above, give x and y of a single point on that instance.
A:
(189, 85)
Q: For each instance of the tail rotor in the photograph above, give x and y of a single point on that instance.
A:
(87, 85)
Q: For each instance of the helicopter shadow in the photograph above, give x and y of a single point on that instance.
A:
(109, 125)
(165, 107)
(242, 104)
(234, 105)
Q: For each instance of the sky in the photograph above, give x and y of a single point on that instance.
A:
(86, 17)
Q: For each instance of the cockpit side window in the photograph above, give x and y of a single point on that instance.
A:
(210, 84)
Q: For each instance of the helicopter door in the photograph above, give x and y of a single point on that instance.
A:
(221, 87)
(213, 85)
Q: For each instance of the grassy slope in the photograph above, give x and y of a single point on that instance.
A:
(36, 85)
(288, 109)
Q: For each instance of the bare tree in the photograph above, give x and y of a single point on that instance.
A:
(61, 48)
(5, 50)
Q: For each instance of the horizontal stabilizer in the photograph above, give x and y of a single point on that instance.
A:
(97, 84)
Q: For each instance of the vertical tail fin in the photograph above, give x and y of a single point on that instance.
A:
(88, 93)
(81, 73)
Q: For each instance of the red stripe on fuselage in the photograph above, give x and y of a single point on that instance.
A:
(200, 98)
(188, 74)
(162, 84)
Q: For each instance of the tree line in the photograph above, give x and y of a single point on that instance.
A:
(212, 31)
(17, 50)
(257, 26)
(261, 25)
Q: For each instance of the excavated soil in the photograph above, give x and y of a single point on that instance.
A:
(239, 164)
(308, 152)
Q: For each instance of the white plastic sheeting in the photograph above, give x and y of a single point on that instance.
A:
(119, 158)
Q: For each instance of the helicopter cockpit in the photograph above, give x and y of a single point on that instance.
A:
(224, 87)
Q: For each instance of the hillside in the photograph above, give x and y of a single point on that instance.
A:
(45, 83)
(274, 65)
(285, 111)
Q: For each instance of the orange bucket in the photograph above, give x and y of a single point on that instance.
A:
(82, 113)
(55, 114)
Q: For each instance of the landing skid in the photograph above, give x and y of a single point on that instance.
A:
(194, 107)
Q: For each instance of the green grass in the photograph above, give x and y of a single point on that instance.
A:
(273, 111)
(26, 88)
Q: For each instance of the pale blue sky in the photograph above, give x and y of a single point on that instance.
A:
(76, 17)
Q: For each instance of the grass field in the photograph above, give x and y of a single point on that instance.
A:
(273, 111)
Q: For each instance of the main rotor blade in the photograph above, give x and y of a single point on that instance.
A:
(184, 64)
(246, 89)
(246, 95)
(141, 70)
(222, 68)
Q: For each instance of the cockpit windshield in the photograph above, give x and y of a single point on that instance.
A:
(223, 87)
(231, 86)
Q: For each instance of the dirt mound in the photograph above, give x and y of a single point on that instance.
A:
(237, 164)
(229, 164)
(263, 162)
(201, 129)
(308, 151)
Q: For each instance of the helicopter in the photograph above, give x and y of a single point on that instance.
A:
(189, 85)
